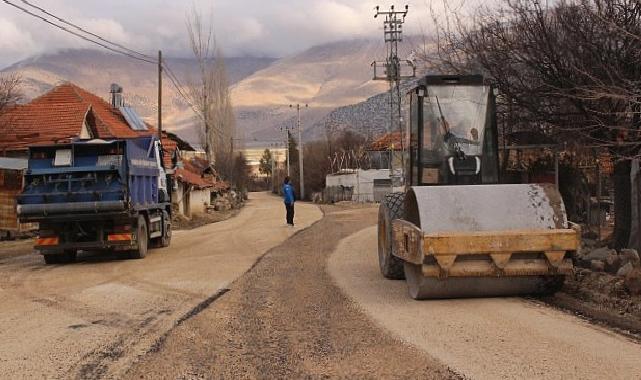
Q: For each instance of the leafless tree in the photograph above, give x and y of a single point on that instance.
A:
(10, 95)
(10, 92)
(210, 95)
(567, 69)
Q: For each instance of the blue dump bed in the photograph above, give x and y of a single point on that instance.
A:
(90, 178)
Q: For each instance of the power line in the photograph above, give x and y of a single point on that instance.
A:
(179, 88)
(86, 31)
(103, 45)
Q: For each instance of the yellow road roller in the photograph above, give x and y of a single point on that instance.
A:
(456, 231)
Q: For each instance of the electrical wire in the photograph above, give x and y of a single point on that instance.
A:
(86, 31)
(120, 49)
(103, 45)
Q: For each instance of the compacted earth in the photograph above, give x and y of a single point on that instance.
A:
(251, 298)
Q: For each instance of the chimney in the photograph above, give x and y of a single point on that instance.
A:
(116, 96)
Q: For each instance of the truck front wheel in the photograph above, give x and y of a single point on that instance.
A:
(143, 239)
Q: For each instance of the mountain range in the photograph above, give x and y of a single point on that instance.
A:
(333, 79)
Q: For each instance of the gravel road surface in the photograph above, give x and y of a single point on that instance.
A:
(507, 338)
(286, 319)
(96, 317)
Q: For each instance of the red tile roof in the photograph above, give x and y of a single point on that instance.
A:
(193, 173)
(387, 141)
(58, 116)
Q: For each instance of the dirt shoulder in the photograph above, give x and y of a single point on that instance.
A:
(601, 299)
(287, 319)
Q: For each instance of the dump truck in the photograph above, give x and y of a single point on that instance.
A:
(97, 195)
(456, 231)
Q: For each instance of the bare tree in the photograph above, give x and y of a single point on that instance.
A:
(10, 92)
(567, 70)
(210, 95)
(10, 95)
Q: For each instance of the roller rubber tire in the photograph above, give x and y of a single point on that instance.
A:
(392, 207)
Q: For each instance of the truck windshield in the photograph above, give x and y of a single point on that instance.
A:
(454, 117)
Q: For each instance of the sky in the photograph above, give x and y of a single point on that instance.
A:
(267, 28)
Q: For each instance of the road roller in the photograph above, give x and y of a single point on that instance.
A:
(456, 231)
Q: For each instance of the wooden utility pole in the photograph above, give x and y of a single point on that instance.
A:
(159, 95)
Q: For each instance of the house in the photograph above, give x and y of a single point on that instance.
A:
(253, 156)
(382, 175)
(66, 112)
(11, 171)
(69, 112)
(197, 187)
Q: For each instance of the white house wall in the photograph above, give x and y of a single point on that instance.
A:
(200, 199)
(362, 181)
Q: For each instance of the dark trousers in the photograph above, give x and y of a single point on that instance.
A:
(290, 213)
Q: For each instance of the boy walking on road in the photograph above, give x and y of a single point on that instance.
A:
(288, 195)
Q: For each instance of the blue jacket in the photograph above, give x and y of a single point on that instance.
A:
(288, 193)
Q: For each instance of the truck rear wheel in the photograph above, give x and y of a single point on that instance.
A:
(68, 256)
(143, 239)
(52, 259)
(392, 207)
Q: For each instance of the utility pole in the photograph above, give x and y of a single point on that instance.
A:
(160, 96)
(300, 151)
(272, 173)
(286, 146)
(392, 69)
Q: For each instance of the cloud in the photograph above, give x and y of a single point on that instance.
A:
(243, 27)
(14, 41)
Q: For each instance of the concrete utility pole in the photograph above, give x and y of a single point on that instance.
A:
(392, 69)
(286, 146)
(300, 151)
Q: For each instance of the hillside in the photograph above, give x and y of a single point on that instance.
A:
(369, 118)
(95, 71)
(326, 77)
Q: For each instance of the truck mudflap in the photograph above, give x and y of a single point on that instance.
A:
(486, 253)
(27, 210)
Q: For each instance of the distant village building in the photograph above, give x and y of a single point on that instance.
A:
(254, 154)
(69, 112)
(371, 183)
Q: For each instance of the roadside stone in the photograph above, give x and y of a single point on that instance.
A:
(599, 253)
(612, 263)
(597, 266)
(582, 262)
(630, 256)
(589, 243)
(625, 269)
(633, 282)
